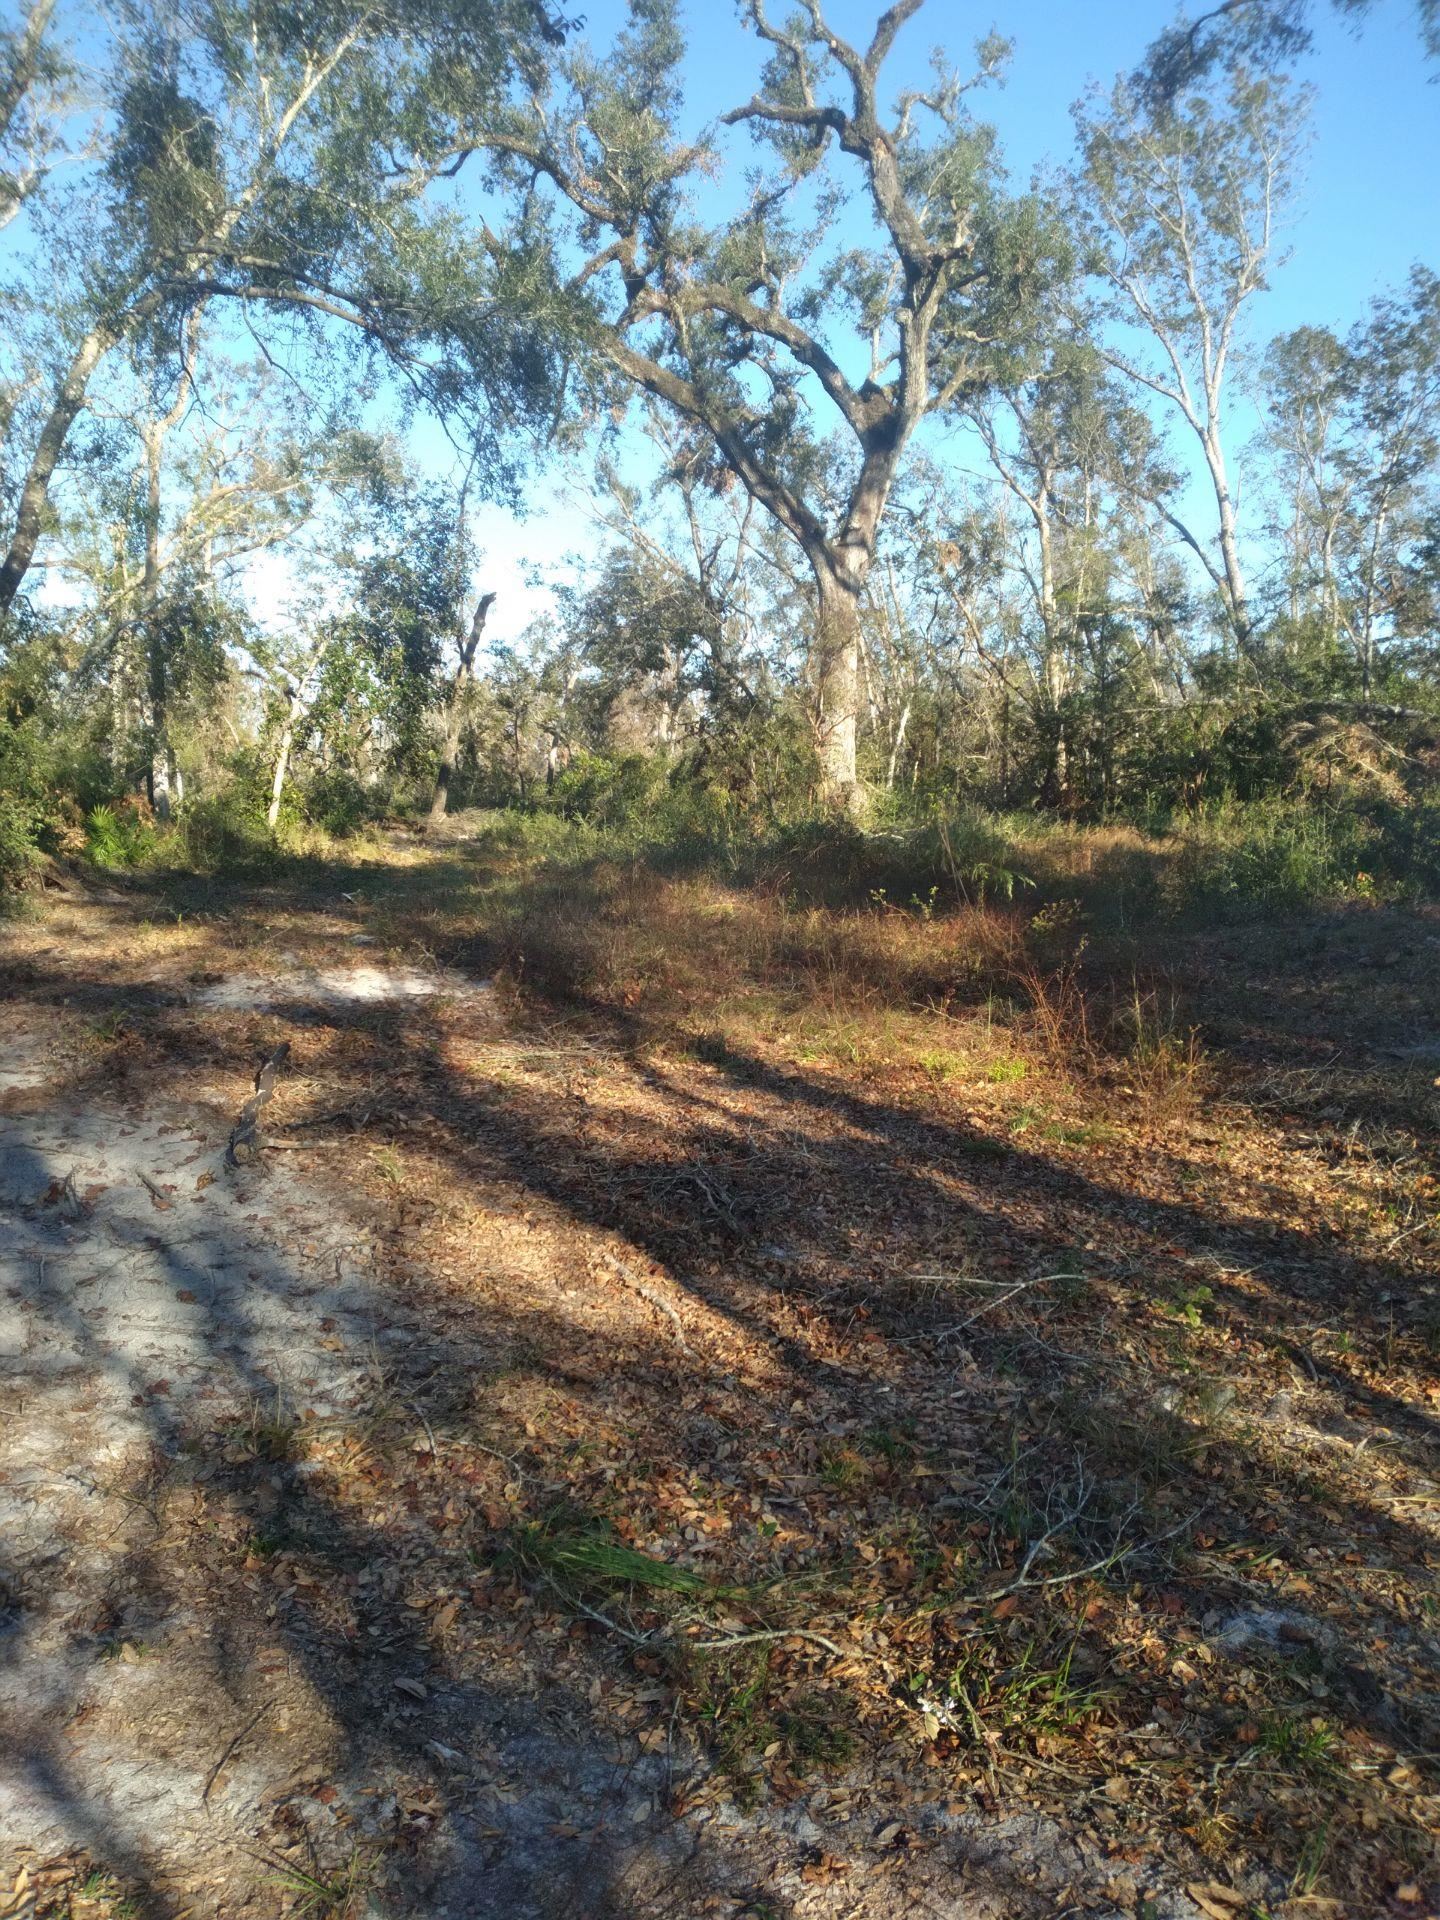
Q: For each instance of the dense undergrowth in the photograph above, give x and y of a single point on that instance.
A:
(1294, 813)
(1229, 860)
(1226, 862)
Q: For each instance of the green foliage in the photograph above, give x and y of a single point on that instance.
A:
(752, 768)
(742, 778)
(29, 815)
(952, 857)
(1305, 1746)
(18, 851)
(1233, 862)
(583, 1553)
(225, 832)
(1279, 854)
(325, 1895)
(750, 1714)
(164, 166)
(1411, 846)
(118, 837)
(606, 790)
(342, 804)
(1026, 1689)
(380, 665)
(642, 617)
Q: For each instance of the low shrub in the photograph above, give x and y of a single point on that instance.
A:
(609, 790)
(118, 835)
(29, 812)
(19, 852)
(341, 804)
(224, 831)
(1276, 855)
(1413, 845)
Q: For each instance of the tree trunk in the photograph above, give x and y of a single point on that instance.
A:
(25, 62)
(838, 686)
(1329, 587)
(163, 783)
(1056, 682)
(162, 760)
(35, 491)
(301, 692)
(897, 744)
(282, 767)
(1367, 605)
(16, 187)
(167, 784)
(455, 710)
(1237, 599)
(157, 674)
(672, 700)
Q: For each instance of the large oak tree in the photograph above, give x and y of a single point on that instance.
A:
(754, 328)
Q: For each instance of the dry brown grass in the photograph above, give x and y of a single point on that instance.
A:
(950, 993)
(638, 939)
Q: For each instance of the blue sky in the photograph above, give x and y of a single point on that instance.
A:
(1369, 206)
(1372, 199)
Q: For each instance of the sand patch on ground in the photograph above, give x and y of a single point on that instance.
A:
(337, 987)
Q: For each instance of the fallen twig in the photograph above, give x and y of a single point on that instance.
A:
(772, 1633)
(162, 1200)
(245, 1140)
(987, 1306)
(664, 1306)
(657, 1301)
(1113, 1558)
(419, 1414)
(594, 1613)
(300, 1146)
(218, 1767)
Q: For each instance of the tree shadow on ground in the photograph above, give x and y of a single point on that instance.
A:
(784, 1215)
(244, 1618)
(515, 1815)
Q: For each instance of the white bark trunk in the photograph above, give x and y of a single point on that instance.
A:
(282, 768)
(897, 745)
(455, 709)
(838, 685)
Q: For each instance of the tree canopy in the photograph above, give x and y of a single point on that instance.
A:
(906, 478)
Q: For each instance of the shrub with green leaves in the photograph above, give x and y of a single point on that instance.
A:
(609, 790)
(116, 836)
(1278, 854)
(226, 830)
(29, 810)
(341, 803)
(18, 851)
